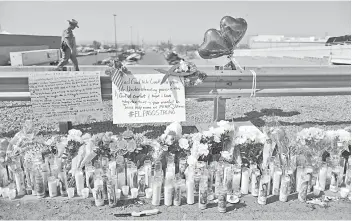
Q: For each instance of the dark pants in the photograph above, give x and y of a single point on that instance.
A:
(66, 55)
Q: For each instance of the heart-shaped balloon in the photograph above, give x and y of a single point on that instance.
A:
(214, 45)
(233, 30)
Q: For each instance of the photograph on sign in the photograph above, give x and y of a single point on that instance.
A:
(66, 96)
(142, 99)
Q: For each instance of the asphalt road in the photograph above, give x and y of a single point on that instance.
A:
(153, 58)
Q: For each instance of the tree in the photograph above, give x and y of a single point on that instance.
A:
(96, 44)
(106, 46)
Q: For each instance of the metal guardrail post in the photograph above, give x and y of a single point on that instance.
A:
(219, 109)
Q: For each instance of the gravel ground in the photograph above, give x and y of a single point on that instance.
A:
(331, 112)
(246, 209)
(323, 112)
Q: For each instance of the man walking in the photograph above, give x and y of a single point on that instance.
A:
(68, 46)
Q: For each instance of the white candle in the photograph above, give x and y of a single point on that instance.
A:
(322, 176)
(190, 191)
(236, 182)
(276, 182)
(245, 181)
(5, 192)
(148, 193)
(52, 184)
(112, 167)
(71, 192)
(156, 193)
(118, 194)
(12, 194)
(85, 192)
(148, 172)
(168, 192)
(125, 190)
(299, 173)
(19, 179)
(134, 192)
(79, 182)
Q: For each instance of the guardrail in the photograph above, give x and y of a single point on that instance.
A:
(219, 85)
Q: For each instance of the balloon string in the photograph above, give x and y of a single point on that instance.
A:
(254, 83)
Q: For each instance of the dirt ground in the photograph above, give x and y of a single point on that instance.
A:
(31, 208)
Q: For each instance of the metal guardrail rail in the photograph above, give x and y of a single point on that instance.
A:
(272, 81)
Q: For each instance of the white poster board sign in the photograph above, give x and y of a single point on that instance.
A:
(144, 100)
(66, 96)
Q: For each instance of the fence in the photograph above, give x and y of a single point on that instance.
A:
(219, 85)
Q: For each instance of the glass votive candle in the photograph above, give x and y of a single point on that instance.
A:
(1, 191)
(118, 194)
(5, 192)
(125, 190)
(71, 192)
(85, 193)
(134, 192)
(52, 184)
(148, 193)
(12, 194)
(344, 192)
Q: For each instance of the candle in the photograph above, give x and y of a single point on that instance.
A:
(334, 180)
(85, 192)
(263, 187)
(156, 191)
(236, 181)
(309, 170)
(125, 190)
(299, 173)
(52, 184)
(39, 184)
(1, 191)
(121, 172)
(118, 194)
(322, 176)
(12, 194)
(19, 179)
(178, 193)
(79, 182)
(63, 183)
(228, 176)
(276, 181)
(45, 174)
(285, 187)
(182, 167)
(105, 187)
(111, 194)
(289, 172)
(112, 167)
(5, 192)
(302, 192)
(316, 189)
(168, 192)
(245, 180)
(71, 192)
(171, 164)
(148, 172)
(133, 177)
(89, 177)
(203, 193)
(255, 182)
(344, 192)
(134, 192)
(99, 198)
(141, 182)
(148, 193)
(222, 200)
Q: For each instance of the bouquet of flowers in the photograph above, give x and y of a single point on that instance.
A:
(135, 147)
(210, 143)
(312, 143)
(250, 142)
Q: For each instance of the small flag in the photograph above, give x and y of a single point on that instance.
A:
(116, 78)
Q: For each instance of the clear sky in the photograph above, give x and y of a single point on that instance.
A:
(182, 22)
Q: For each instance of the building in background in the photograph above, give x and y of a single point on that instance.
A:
(276, 41)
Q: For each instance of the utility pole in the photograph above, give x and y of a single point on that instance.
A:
(115, 33)
(131, 36)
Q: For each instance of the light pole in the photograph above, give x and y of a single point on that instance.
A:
(131, 36)
(115, 34)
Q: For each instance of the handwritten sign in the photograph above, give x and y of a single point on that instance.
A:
(143, 100)
(66, 96)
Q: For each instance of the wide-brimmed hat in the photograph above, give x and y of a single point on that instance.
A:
(73, 22)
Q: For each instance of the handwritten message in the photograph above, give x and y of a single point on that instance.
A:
(66, 96)
(143, 100)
